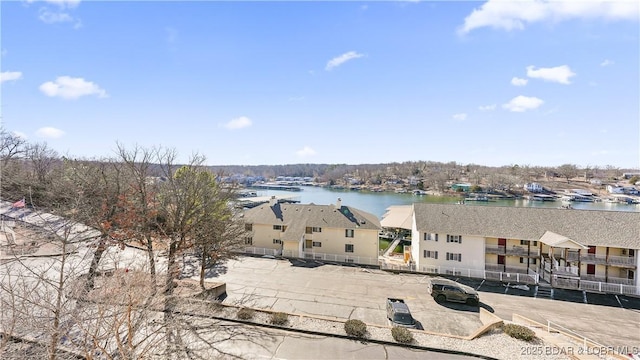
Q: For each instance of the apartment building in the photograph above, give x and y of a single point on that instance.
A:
(586, 249)
(332, 232)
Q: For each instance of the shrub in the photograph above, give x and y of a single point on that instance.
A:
(355, 328)
(519, 332)
(279, 318)
(401, 335)
(245, 314)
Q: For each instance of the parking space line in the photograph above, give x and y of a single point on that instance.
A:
(618, 300)
(506, 288)
(584, 296)
(481, 283)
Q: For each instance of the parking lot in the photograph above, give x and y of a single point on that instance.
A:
(359, 293)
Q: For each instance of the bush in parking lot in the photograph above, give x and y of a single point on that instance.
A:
(245, 314)
(519, 332)
(279, 318)
(355, 328)
(401, 335)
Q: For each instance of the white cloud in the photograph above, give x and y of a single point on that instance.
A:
(339, 60)
(516, 81)
(559, 74)
(523, 103)
(238, 123)
(460, 116)
(305, 152)
(67, 87)
(487, 107)
(61, 3)
(49, 133)
(10, 76)
(515, 15)
(52, 17)
(607, 62)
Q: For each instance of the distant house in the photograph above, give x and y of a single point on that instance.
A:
(615, 189)
(595, 182)
(630, 175)
(327, 232)
(533, 187)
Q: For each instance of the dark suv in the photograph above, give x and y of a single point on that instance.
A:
(448, 290)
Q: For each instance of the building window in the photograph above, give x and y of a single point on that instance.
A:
(348, 260)
(348, 248)
(317, 244)
(454, 257)
(524, 242)
(348, 233)
(430, 254)
(429, 236)
(454, 238)
(316, 229)
(451, 272)
(248, 227)
(277, 227)
(521, 260)
(277, 241)
(307, 230)
(533, 261)
(535, 243)
(248, 241)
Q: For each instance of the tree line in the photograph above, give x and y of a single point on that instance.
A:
(139, 199)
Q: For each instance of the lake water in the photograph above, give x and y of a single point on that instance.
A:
(377, 202)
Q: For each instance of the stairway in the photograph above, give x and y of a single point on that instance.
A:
(544, 292)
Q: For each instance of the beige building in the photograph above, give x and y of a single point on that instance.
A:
(584, 249)
(325, 232)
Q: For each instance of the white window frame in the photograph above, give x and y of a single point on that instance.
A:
(454, 239)
(349, 248)
(277, 241)
(349, 233)
(316, 244)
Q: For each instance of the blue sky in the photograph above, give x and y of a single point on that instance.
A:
(248, 83)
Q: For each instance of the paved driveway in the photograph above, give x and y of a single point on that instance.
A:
(359, 293)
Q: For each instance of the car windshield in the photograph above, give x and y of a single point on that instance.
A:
(404, 319)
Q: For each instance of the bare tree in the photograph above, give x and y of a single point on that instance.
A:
(42, 159)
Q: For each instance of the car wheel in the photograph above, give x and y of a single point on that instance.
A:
(441, 298)
(472, 302)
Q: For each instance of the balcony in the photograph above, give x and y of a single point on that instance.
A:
(522, 251)
(625, 261)
(494, 267)
(494, 249)
(593, 259)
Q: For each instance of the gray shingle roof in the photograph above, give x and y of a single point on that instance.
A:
(345, 217)
(588, 227)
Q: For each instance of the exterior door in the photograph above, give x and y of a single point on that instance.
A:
(308, 244)
(591, 269)
(592, 250)
(500, 259)
(502, 242)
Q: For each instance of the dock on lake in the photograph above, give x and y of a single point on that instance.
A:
(275, 187)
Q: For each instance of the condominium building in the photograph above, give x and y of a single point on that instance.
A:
(332, 232)
(585, 249)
